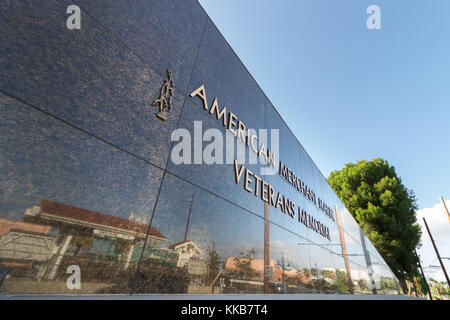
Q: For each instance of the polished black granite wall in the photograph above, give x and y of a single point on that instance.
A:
(78, 130)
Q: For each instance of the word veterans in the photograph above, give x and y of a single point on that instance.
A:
(260, 188)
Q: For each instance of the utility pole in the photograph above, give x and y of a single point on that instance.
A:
(445, 208)
(437, 252)
(189, 218)
(423, 275)
(266, 250)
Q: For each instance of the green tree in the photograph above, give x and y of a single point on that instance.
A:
(423, 285)
(385, 209)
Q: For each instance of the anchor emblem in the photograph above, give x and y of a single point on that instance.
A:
(164, 102)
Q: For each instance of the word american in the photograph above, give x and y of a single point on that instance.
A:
(235, 126)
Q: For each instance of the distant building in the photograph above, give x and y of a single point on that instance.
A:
(190, 256)
(186, 249)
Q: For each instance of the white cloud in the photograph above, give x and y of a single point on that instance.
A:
(440, 229)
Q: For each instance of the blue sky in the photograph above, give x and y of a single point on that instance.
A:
(349, 93)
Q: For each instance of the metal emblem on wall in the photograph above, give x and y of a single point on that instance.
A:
(164, 102)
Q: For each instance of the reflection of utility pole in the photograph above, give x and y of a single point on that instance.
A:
(189, 218)
(344, 251)
(283, 268)
(368, 261)
(266, 250)
(437, 252)
(445, 209)
(423, 275)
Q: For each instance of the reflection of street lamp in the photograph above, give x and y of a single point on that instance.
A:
(283, 267)
(267, 273)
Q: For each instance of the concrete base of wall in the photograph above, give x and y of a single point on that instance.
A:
(211, 297)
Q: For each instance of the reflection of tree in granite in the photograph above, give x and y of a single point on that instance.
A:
(244, 264)
(321, 284)
(341, 283)
(84, 242)
(307, 273)
(315, 272)
(387, 284)
(439, 289)
(329, 274)
(213, 265)
(363, 285)
(329, 281)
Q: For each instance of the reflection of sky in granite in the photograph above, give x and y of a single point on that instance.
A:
(85, 77)
(290, 247)
(166, 34)
(224, 77)
(43, 158)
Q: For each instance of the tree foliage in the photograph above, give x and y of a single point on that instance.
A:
(384, 208)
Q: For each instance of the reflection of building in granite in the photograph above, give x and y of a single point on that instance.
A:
(22, 243)
(294, 274)
(257, 265)
(31, 241)
(189, 254)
